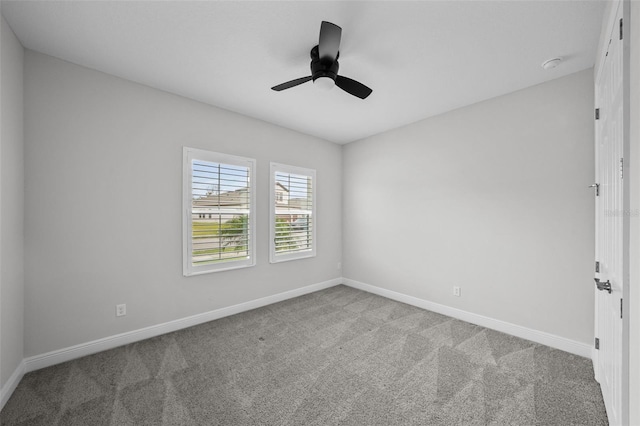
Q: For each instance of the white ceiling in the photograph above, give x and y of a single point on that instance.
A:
(420, 58)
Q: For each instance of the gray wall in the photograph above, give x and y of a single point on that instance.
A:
(11, 203)
(492, 198)
(103, 205)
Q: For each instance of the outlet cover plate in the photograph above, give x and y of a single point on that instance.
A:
(121, 310)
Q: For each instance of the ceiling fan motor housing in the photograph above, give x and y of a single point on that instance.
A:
(323, 67)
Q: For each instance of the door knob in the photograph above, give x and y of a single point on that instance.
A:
(597, 187)
(603, 286)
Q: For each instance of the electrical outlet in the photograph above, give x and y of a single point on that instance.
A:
(456, 291)
(121, 310)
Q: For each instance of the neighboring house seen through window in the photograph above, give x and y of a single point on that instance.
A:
(293, 227)
(218, 212)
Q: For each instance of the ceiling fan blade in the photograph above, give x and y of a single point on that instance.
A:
(292, 83)
(329, 42)
(353, 87)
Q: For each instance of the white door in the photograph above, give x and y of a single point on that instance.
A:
(609, 224)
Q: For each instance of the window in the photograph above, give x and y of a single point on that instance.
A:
(293, 204)
(218, 212)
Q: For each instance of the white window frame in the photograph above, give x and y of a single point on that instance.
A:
(276, 257)
(190, 154)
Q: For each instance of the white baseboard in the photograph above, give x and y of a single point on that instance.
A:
(541, 337)
(62, 355)
(7, 390)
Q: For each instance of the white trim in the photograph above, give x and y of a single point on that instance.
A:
(66, 354)
(274, 256)
(62, 355)
(7, 390)
(188, 155)
(541, 337)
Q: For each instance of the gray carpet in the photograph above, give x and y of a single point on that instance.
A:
(338, 356)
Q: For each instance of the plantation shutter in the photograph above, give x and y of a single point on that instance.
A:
(293, 212)
(220, 212)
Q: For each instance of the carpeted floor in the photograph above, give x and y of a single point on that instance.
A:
(338, 356)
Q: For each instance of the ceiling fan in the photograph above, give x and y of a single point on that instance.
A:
(324, 65)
